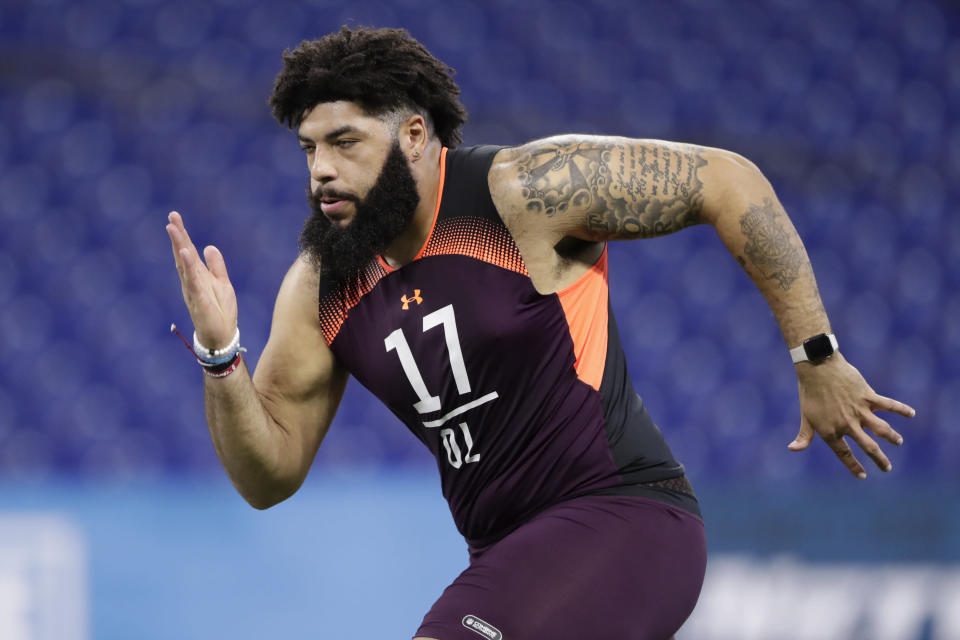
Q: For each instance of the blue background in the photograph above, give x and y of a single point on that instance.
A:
(113, 113)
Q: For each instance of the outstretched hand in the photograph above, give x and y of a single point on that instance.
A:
(207, 291)
(836, 402)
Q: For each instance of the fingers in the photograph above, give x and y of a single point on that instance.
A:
(870, 447)
(189, 264)
(804, 438)
(842, 449)
(856, 433)
(176, 242)
(881, 428)
(883, 403)
(193, 273)
(207, 291)
(180, 240)
(176, 220)
(215, 262)
(193, 267)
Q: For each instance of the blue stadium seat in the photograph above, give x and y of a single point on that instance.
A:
(130, 109)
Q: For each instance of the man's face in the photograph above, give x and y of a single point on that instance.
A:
(362, 193)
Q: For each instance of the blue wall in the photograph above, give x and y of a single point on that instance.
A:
(114, 113)
(364, 555)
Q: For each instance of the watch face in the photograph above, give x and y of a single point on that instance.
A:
(818, 347)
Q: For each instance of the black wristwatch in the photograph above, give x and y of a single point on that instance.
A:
(815, 349)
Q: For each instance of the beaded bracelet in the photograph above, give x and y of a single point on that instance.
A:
(208, 356)
(217, 363)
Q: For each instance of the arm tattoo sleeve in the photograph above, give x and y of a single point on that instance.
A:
(771, 245)
(622, 190)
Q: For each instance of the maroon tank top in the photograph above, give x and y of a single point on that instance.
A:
(523, 399)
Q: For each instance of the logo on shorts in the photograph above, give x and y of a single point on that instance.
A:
(485, 629)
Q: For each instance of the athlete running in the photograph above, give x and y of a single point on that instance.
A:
(467, 289)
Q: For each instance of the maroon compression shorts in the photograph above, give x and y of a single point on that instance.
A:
(591, 568)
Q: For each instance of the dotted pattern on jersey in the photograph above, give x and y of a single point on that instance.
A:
(473, 237)
(477, 238)
(335, 306)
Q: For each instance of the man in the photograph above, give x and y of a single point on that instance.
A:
(467, 288)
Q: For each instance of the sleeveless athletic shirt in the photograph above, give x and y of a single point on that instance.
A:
(523, 398)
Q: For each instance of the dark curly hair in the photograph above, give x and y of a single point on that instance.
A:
(382, 70)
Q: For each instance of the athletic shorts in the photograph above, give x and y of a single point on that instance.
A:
(591, 568)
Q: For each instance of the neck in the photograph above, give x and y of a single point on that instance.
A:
(408, 244)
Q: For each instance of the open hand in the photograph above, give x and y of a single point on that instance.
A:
(207, 291)
(836, 402)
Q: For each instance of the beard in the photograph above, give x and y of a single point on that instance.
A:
(380, 217)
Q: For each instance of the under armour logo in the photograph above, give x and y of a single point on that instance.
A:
(406, 301)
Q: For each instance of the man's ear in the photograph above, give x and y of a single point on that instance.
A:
(414, 137)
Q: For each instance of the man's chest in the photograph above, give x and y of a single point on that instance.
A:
(447, 332)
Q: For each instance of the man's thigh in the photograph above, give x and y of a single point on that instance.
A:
(600, 567)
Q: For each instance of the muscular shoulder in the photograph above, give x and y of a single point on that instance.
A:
(553, 255)
(296, 353)
(300, 290)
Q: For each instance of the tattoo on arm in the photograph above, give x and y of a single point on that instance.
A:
(622, 190)
(772, 246)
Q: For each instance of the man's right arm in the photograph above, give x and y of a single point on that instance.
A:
(266, 430)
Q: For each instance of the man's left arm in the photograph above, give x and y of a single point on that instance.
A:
(607, 188)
